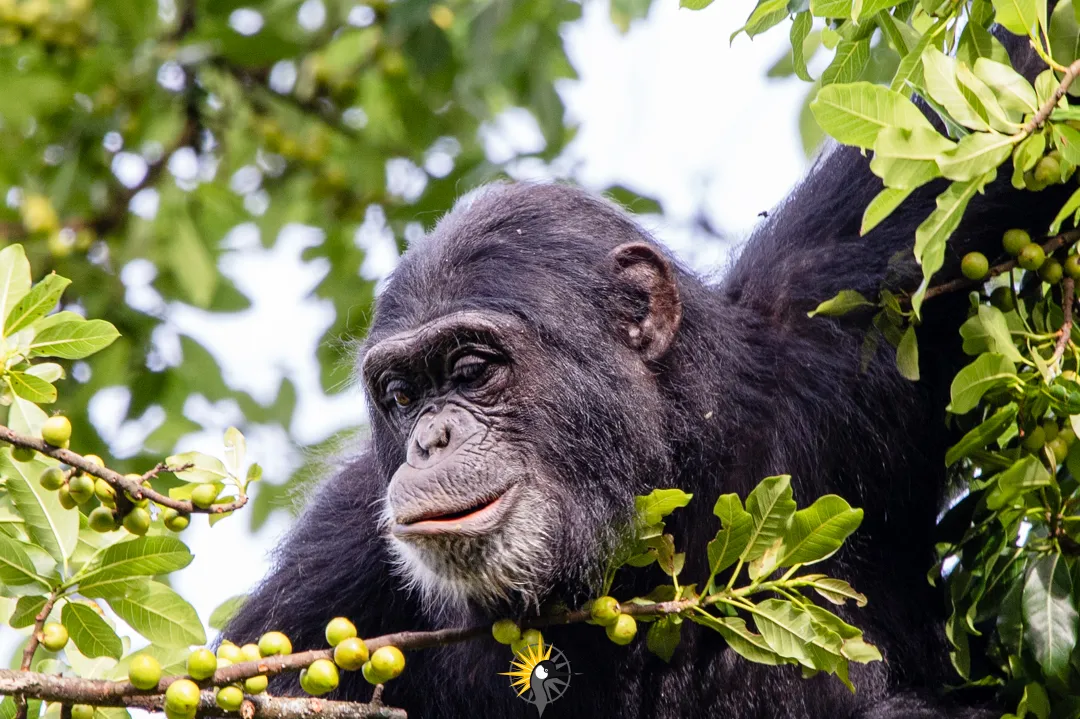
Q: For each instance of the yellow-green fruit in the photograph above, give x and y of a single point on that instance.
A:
(250, 653)
(175, 521)
(144, 672)
(230, 651)
(1072, 267)
(137, 521)
(23, 454)
(82, 711)
(1067, 436)
(81, 488)
(1048, 171)
(1059, 447)
(1002, 298)
(64, 495)
(1015, 240)
(256, 685)
(338, 630)
(105, 492)
(1035, 439)
(388, 662)
(171, 713)
(94, 459)
(52, 478)
(182, 696)
(204, 495)
(623, 630)
(371, 675)
(230, 698)
(505, 631)
(54, 636)
(56, 431)
(102, 520)
(1031, 257)
(605, 610)
(201, 664)
(974, 266)
(1050, 428)
(320, 677)
(351, 654)
(274, 643)
(1051, 272)
(38, 214)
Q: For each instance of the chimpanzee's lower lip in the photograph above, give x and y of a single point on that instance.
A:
(480, 518)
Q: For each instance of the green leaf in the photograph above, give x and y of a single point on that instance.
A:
(73, 340)
(998, 337)
(663, 637)
(103, 588)
(818, 531)
(845, 301)
(14, 278)
(1012, 89)
(848, 63)
(976, 154)
(1026, 155)
(226, 610)
(50, 526)
(25, 417)
(1071, 205)
(1025, 474)
(695, 4)
(191, 262)
(38, 302)
(907, 355)
(734, 534)
(939, 74)
(740, 639)
(653, 507)
(881, 207)
(837, 591)
(161, 615)
(1068, 141)
(974, 380)
(931, 235)
(982, 435)
(902, 174)
(785, 628)
(16, 567)
(1017, 16)
(145, 556)
(1064, 33)
(831, 8)
(31, 388)
(800, 29)
(855, 113)
(772, 509)
(205, 468)
(235, 451)
(91, 634)
(976, 42)
(26, 611)
(1050, 618)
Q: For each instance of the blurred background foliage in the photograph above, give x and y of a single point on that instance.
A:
(134, 131)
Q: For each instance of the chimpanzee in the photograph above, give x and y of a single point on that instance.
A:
(538, 360)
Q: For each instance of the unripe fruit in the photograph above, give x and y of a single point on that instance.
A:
(274, 643)
(1067, 436)
(171, 713)
(338, 630)
(250, 653)
(1051, 271)
(1051, 429)
(38, 213)
(1072, 266)
(81, 488)
(94, 459)
(388, 662)
(1015, 240)
(137, 521)
(1031, 257)
(256, 685)
(204, 495)
(505, 631)
(105, 492)
(230, 698)
(56, 431)
(144, 673)
(1048, 171)
(1035, 439)
(182, 696)
(974, 266)
(82, 711)
(201, 664)
(23, 454)
(54, 636)
(102, 520)
(52, 478)
(1059, 447)
(605, 610)
(320, 677)
(175, 521)
(64, 495)
(230, 651)
(1002, 298)
(623, 630)
(351, 654)
(372, 676)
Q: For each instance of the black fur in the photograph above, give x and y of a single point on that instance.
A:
(751, 387)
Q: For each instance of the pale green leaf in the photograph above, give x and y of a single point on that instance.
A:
(818, 531)
(16, 567)
(976, 42)
(855, 113)
(1068, 141)
(740, 639)
(1071, 205)
(653, 507)
(772, 508)
(91, 634)
(1064, 34)
(785, 628)
(907, 355)
(975, 155)
(848, 63)
(38, 302)
(845, 301)
(145, 556)
(973, 381)
(939, 74)
(998, 337)
(1013, 90)
(1019, 17)
(26, 611)
(14, 277)
(205, 468)
(161, 615)
(226, 610)
(800, 29)
(837, 591)
(881, 207)
(73, 340)
(31, 388)
(53, 528)
(734, 534)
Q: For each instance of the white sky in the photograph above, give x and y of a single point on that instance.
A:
(669, 110)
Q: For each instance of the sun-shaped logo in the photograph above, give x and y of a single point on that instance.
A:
(540, 673)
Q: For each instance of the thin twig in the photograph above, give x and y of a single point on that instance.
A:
(118, 481)
(1043, 113)
(1066, 326)
(31, 648)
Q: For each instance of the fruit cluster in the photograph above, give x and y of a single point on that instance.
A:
(1029, 256)
(621, 628)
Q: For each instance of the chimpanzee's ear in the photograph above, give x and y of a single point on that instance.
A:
(648, 282)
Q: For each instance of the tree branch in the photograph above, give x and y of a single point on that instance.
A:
(1066, 326)
(118, 481)
(1043, 114)
(31, 648)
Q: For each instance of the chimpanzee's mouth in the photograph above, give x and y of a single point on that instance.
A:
(481, 517)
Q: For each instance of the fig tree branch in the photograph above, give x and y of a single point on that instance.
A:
(132, 486)
(1043, 113)
(31, 648)
(1067, 287)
